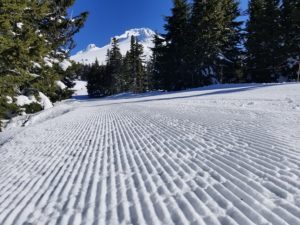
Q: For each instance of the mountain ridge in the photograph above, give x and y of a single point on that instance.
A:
(93, 52)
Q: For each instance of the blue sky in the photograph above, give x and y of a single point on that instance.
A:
(112, 17)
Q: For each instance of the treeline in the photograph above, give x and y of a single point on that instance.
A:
(119, 74)
(206, 42)
(35, 38)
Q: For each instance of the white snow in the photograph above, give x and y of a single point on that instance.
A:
(219, 155)
(36, 65)
(45, 101)
(50, 61)
(20, 25)
(22, 100)
(65, 64)
(9, 99)
(92, 52)
(61, 85)
(80, 88)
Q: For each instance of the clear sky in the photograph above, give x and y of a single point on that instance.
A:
(113, 17)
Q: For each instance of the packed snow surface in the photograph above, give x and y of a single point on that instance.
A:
(92, 52)
(80, 89)
(227, 154)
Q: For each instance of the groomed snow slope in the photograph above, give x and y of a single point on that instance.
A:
(218, 155)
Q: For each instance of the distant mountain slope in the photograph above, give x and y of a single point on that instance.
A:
(92, 52)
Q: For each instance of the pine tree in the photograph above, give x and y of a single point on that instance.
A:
(206, 36)
(98, 81)
(174, 75)
(229, 67)
(133, 67)
(214, 43)
(20, 47)
(21, 50)
(59, 28)
(127, 72)
(35, 35)
(290, 12)
(158, 61)
(114, 66)
(263, 41)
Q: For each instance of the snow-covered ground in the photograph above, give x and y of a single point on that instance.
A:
(215, 155)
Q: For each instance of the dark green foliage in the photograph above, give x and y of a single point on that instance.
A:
(35, 34)
(33, 108)
(263, 41)
(134, 68)
(8, 110)
(99, 81)
(158, 62)
(114, 66)
(290, 12)
(77, 71)
(201, 45)
(176, 48)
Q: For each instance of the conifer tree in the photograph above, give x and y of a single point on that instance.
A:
(158, 61)
(206, 31)
(134, 67)
(176, 50)
(263, 41)
(60, 28)
(229, 66)
(35, 35)
(127, 76)
(114, 66)
(290, 13)
(20, 48)
(215, 36)
(98, 81)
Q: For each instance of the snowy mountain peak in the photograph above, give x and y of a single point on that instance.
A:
(143, 34)
(90, 47)
(92, 52)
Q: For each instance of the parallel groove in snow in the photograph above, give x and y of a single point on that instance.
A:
(149, 163)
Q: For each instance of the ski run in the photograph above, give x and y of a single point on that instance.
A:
(223, 154)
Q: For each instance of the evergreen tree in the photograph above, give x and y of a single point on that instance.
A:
(215, 39)
(59, 28)
(114, 66)
(263, 41)
(291, 37)
(20, 48)
(176, 50)
(229, 67)
(127, 70)
(158, 61)
(98, 81)
(136, 66)
(206, 36)
(29, 53)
